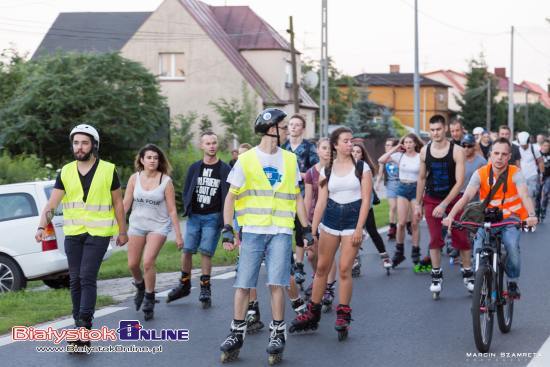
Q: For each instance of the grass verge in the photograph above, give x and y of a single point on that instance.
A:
(27, 308)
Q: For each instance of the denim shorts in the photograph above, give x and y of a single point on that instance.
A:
(407, 190)
(391, 189)
(341, 219)
(163, 231)
(203, 233)
(277, 249)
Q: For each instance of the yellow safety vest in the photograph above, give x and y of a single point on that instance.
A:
(257, 203)
(96, 216)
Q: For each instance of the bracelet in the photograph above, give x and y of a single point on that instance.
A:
(41, 229)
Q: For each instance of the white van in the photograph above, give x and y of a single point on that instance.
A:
(21, 257)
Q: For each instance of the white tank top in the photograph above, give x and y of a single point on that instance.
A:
(409, 168)
(149, 210)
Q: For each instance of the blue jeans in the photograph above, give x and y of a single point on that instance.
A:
(277, 249)
(510, 240)
(84, 255)
(203, 233)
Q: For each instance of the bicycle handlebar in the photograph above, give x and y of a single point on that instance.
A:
(523, 225)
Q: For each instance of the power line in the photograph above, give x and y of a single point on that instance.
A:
(532, 46)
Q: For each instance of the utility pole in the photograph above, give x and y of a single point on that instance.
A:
(488, 118)
(511, 85)
(416, 74)
(295, 83)
(324, 71)
(527, 107)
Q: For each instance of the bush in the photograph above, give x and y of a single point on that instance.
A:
(180, 161)
(24, 168)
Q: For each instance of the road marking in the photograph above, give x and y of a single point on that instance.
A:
(64, 323)
(165, 293)
(228, 275)
(544, 353)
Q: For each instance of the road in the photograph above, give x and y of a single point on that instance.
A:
(396, 323)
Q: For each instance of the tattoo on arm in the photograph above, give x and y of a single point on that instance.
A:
(49, 215)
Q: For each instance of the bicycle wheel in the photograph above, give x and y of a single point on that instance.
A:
(505, 305)
(482, 316)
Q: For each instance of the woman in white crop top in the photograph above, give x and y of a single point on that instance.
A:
(407, 156)
(340, 214)
(151, 197)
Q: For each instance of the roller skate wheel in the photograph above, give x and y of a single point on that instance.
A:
(435, 296)
(326, 308)
(229, 356)
(206, 304)
(274, 358)
(342, 335)
(148, 316)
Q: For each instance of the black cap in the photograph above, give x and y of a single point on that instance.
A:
(267, 118)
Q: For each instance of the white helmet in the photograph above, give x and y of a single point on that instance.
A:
(478, 131)
(85, 129)
(523, 138)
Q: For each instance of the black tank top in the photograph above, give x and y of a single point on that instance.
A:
(441, 173)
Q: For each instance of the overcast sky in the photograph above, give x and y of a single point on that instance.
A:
(364, 36)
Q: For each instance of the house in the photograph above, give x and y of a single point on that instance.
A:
(521, 94)
(544, 95)
(456, 82)
(200, 53)
(395, 90)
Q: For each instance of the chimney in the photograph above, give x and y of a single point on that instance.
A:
(394, 69)
(500, 72)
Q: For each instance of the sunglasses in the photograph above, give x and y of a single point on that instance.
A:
(468, 145)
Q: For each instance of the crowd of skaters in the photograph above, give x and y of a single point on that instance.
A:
(321, 194)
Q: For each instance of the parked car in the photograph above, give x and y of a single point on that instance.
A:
(21, 257)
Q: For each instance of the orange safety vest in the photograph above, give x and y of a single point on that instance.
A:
(512, 202)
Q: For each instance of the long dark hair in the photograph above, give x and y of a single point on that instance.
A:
(333, 140)
(367, 158)
(418, 143)
(164, 164)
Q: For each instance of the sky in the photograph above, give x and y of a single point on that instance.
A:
(364, 35)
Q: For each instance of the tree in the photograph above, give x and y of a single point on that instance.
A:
(538, 119)
(474, 103)
(180, 131)
(117, 96)
(12, 68)
(369, 118)
(342, 92)
(205, 124)
(238, 117)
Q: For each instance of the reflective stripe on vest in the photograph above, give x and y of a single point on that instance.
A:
(257, 204)
(512, 201)
(95, 216)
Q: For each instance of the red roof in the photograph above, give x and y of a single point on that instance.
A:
(222, 25)
(503, 84)
(451, 76)
(247, 30)
(535, 88)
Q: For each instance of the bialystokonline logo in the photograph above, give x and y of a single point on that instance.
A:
(128, 330)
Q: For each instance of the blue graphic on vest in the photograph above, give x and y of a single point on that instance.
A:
(273, 175)
(440, 176)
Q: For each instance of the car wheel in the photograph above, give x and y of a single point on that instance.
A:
(58, 283)
(11, 276)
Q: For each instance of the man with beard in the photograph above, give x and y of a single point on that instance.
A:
(93, 212)
(457, 131)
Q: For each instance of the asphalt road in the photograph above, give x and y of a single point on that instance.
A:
(396, 323)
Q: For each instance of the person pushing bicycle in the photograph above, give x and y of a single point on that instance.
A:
(512, 201)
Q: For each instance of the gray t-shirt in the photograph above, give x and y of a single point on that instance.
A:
(471, 167)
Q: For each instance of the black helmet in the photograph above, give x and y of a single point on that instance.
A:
(267, 118)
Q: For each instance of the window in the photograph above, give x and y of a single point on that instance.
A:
(17, 205)
(171, 66)
(288, 75)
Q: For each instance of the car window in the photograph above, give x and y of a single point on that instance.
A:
(17, 205)
(48, 190)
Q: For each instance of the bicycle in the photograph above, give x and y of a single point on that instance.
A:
(490, 293)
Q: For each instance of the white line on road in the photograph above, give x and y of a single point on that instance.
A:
(64, 323)
(544, 353)
(228, 275)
